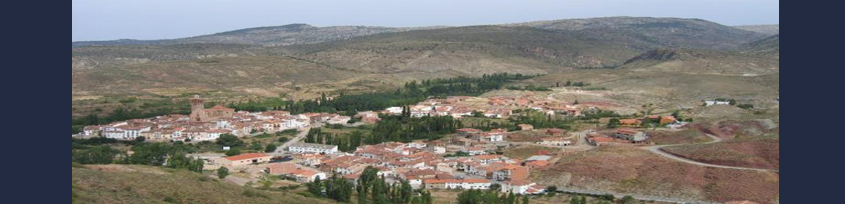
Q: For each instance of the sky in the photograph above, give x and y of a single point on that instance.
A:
(167, 19)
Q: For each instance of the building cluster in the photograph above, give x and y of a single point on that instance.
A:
(620, 136)
(209, 124)
(493, 107)
(422, 165)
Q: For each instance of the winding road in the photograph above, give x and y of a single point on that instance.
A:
(659, 151)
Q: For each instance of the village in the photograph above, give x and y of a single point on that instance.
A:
(469, 159)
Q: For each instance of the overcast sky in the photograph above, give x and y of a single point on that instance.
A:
(164, 19)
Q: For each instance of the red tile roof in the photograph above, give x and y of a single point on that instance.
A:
(246, 156)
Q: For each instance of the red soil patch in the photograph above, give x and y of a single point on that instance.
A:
(760, 152)
(632, 170)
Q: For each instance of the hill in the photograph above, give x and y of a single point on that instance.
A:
(769, 46)
(763, 29)
(704, 62)
(471, 50)
(292, 34)
(142, 184)
(656, 32)
(379, 58)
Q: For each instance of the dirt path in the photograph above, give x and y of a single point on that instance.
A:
(658, 150)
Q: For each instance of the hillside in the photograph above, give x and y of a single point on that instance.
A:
(763, 29)
(632, 170)
(293, 34)
(656, 32)
(704, 62)
(142, 184)
(471, 50)
(769, 46)
(319, 60)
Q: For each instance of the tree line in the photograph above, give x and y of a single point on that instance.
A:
(150, 154)
(371, 189)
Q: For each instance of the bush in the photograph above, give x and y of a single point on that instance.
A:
(745, 106)
(270, 148)
(233, 152)
(222, 172)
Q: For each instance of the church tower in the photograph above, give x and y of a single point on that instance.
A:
(198, 113)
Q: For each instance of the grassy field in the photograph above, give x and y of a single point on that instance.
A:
(141, 184)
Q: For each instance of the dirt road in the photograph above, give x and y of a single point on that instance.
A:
(659, 151)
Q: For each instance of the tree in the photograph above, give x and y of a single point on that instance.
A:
(233, 152)
(228, 140)
(316, 187)
(552, 191)
(614, 123)
(140, 139)
(97, 155)
(628, 200)
(525, 199)
(284, 139)
(270, 148)
(222, 172)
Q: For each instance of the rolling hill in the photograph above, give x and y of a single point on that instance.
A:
(292, 34)
(763, 29)
(330, 59)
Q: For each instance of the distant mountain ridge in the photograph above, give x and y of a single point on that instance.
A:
(293, 34)
(670, 32)
(764, 29)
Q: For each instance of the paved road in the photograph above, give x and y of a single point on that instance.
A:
(659, 151)
(302, 133)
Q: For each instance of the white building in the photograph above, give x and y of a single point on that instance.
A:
(313, 148)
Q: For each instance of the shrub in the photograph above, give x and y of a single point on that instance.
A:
(222, 172)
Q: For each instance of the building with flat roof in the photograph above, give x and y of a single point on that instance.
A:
(313, 148)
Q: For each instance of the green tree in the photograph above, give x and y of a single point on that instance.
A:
(316, 187)
(628, 200)
(270, 148)
(140, 139)
(233, 152)
(103, 154)
(228, 140)
(552, 191)
(525, 199)
(222, 172)
(614, 123)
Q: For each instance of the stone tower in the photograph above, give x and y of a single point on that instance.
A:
(198, 113)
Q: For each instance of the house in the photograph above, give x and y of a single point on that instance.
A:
(600, 140)
(630, 122)
(668, 120)
(339, 120)
(630, 135)
(555, 132)
(537, 164)
(511, 172)
(246, 159)
(465, 184)
(301, 175)
(520, 187)
(525, 127)
(313, 148)
(716, 102)
(556, 141)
